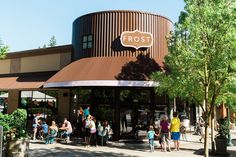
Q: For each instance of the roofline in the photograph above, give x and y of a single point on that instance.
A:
(131, 11)
(40, 51)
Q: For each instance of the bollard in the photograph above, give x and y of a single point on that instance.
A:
(1, 139)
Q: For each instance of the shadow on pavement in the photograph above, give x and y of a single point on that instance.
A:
(70, 152)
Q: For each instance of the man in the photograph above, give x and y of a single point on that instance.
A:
(66, 128)
(175, 130)
(35, 125)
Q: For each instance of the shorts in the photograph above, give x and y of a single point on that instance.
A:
(35, 126)
(175, 136)
(151, 141)
(165, 137)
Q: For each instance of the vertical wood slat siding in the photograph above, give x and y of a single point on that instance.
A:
(106, 28)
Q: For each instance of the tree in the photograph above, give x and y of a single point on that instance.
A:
(200, 65)
(3, 50)
(52, 41)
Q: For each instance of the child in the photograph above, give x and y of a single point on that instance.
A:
(151, 133)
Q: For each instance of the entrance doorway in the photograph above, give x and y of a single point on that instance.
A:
(133, 118)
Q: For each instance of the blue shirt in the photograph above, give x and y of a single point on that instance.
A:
(86, 112)
(151, 134)
(45, 128)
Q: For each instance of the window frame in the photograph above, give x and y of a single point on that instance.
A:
(87, 41)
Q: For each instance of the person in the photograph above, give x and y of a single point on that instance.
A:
(52, 133)
(80, 119)
(86, 112)
(108, 130)
(165, 133)
(150, 134)
(35, 125)
(87, 126)
(66, 129)
(44, 129)
(175, 130)
(102, 134)
(80, 114)
(183, 132)
(124, 123)
(202, 130)
(92, 137)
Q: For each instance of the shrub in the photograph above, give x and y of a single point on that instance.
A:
(14, 125)
(223, 130)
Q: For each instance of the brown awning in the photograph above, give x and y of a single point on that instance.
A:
(24, 80)
(97, 71)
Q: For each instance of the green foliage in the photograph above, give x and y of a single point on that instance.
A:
(14, 125)
(3, 50)
(4, 121)
(200, 65)
(201, 60)
(52, 41)
(223, 130)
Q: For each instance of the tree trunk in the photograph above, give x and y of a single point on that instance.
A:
(213, 130)
(206, 142)
(206, 118)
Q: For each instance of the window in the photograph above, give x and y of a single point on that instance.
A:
(87, 41)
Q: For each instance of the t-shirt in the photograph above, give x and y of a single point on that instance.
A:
(175, 125)
(164, 126)
(93, 127)
(68, 126)
(86, 112)
(151, 134)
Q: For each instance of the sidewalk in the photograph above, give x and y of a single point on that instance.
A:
(190, 148)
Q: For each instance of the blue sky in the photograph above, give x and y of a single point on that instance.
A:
(28, 24)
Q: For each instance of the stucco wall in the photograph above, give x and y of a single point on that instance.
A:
(5, 66)
(40, 63)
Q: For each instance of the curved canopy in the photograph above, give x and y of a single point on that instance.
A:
(104, 71)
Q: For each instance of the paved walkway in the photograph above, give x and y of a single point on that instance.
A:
(190, 148)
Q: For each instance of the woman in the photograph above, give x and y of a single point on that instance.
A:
(52, 133)
(164, 132)
(175, 130)
(87, 126)
(92, 137)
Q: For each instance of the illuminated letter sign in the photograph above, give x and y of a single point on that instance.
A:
(136, 39)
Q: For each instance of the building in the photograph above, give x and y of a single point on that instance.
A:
(107, 67)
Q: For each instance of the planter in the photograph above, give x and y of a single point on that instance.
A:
(18, 148)
(221, 145)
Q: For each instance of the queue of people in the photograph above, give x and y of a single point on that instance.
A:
(96, 132)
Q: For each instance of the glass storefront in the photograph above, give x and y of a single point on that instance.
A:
(44, 102)
(132, 105)
(3, 101)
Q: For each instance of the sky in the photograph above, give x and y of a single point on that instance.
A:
(28, 24)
